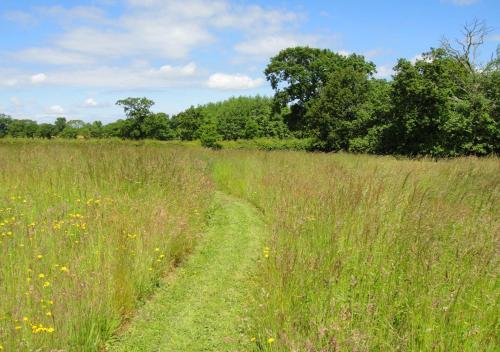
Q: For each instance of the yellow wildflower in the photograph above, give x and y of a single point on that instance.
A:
(41, 276)
(64, 269)
(270, 340)
(17, 327)
(39, 256)
(46, 284)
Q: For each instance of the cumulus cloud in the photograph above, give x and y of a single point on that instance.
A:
(269, 45)
(384, 71)
(90, 103)
(227, 81)
(97, 49)
(38, 78)
(51, 56)
(186, 70)
(462, 2)
(56, 109)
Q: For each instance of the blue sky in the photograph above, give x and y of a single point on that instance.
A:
(76, 58)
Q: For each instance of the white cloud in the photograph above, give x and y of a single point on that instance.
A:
(10, 82)
(186, 70)
(90, 103)
(95, 49)
(270, 45)
(343, 52)
(462, 2)
(56, 109)
(384, 71)
(51, 56)
(38, 78)
(226, 81)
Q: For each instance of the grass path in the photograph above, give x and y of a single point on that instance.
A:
(203, 307)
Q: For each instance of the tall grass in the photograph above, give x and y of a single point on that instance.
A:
(87, 229)
(372, 253)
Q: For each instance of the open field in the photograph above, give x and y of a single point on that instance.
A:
(373, 253)
(86, 231)
(360, 253)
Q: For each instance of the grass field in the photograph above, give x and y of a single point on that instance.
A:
(373, 253)
(360, 253)
(86, 231)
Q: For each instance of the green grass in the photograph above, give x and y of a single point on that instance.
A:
(373, 253)
(86, 232)
(359, 253)
(204, 307)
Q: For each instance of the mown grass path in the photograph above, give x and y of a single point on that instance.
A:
(203, 307)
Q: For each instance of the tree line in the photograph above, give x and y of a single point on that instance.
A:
(444, 103)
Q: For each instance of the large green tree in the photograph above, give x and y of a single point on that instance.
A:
(298, 76)
(334, 115)
(5, 121)
(137, 110)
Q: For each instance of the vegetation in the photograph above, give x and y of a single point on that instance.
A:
(443, 104)
(371, 253)
(359, 253)
(86, 232)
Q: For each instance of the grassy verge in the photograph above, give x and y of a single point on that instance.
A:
(372, 253)
(86, 232)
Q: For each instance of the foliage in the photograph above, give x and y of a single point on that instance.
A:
(442, 104)
(209, 137)
(299, 74)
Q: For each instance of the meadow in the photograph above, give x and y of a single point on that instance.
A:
(372, 253)
(362, 253)
(86, 233)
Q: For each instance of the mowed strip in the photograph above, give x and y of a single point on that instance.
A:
(203, 308)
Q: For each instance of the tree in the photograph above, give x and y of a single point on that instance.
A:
(188, 123)
(45, 130)
(209, 137)
(466, 49)
(298, 75)
(136, 110)
(334, 114)
(5, 121)
(157, 126)
(59, 124)
(23, 128)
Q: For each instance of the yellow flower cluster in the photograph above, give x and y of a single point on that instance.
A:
(266, 252)
(37, 329)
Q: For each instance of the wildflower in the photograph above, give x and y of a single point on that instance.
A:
(157, 249)
(266, 252)
(49, 314)
(41, 276)
(64, 269)
(46, 284)
(51, 302)
(270, 340)
(25, 319)
(253, 339)
(1, 347)
(50, 330)
(39, 256)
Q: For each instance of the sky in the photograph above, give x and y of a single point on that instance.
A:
(77, 58)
